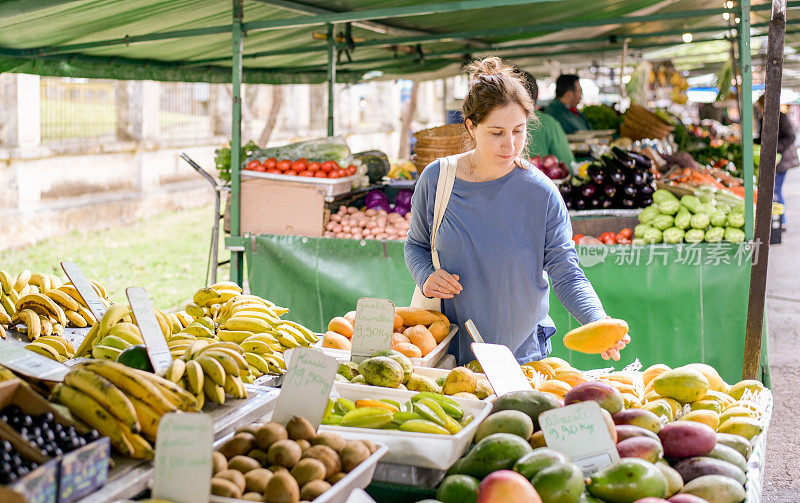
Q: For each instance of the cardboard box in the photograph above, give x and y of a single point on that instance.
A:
(77, 473)
(281, 207)
(39, 486)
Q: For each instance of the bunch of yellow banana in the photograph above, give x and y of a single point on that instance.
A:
(211, 369)
(116, 332)
(122, 403)
(54, 347)
(207, 300)
(57, 306)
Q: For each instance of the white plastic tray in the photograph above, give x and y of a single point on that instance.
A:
(359, 478)
(427, 450)
(331, 186)
(429, 360)
(430, 372)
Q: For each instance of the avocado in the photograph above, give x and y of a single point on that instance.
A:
(560, 483)
(628, 480)
(530, 402)
(499, 451)
(531, 464)
(136, 357)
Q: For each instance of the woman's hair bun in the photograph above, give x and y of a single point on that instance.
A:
(491, 65)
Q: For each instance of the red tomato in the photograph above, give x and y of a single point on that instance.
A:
(608, 240)
(342, 172)
(306, 173)
(290, 173)
(334, 164)
(334, 174)
(284, 165)
(253, 165)
(299, 165)
(303, 160)
(327, 166)
(320, 174)
(271, 163)
(625, 233)
(624, 241)
(577, 237)
(351, 170)
(314, 166)
(261, 168)
(275, 171)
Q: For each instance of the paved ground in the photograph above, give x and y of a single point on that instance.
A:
(782, 478)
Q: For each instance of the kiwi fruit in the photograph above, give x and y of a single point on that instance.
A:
(259, 455)
(300, 428)
(243, 464)
(353, 454)
(284, 453)
(239, 444)
(308, 469)
(224, 487)
(328, 456)
(233, 476)
(269, 433)
(282, 488)
(256, 480)
(218, 462)
(332, 440)
(251, 428)
(314, 489)
(277, 468)
(304, 444)
(371, 446)
(253, 496)
(336, 477)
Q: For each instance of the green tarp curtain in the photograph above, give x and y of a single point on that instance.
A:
(683, 303)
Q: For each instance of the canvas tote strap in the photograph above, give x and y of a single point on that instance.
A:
(444, 187)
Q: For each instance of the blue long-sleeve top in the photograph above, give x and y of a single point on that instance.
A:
(503, 238)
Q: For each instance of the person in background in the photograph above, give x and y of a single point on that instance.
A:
(786, 149)
(547, 137)
(564, 108)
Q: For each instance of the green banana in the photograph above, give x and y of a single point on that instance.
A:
(367, 417)
(450, 406)
(423, 426)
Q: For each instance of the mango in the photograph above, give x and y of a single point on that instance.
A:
(746, 427)
(496, 452)
(674, 480)
(555, 387)
(382, 371)
(400, 358)
(607, 396)
(683, 384)
(687, 439)
(738, 389)
(729, 454)
(542, 368)
(596, 337)
(555, 362)
(530, 402)
(537, 440)
(531, 464)
(417, 382)
(723, 398)
(641, 447)
(707, 417)
(458, 489)
(505, 485)
(628, 480)
(715, 382)
(686, 498)
(626, 431)
(735, 442)
(561, 483)
(573, 377)
(660, 408)
(736, 412)
(638, 417)
(706, 405)
(693, 468)
(460, 379)
(716, 489)
(505, 421)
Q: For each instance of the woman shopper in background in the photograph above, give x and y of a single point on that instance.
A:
(504, 232)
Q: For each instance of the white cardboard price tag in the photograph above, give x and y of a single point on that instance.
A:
(28, 363)
(372, 331)
(157, 348)
(85, 289)
(183, 458)
(359, 496)
(580, 431)
(473, 331)
(501, 368)
(306, 386)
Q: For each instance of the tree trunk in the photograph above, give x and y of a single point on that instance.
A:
(405, 126)
(272, 117)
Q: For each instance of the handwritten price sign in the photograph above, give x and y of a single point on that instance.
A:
(580, 432)
(183, 458)
(306, 386)
(373, 328)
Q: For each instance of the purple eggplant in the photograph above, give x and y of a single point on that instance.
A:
(580, 204)
(566, 190)
(610, 190)
(630, 190)
(568, 204)
(628, 202)
(593, 203)
(618, 176)
(589, 190)
(639, 178)
(607, 204)
(640, 161)
(646, 190)
(596, 174)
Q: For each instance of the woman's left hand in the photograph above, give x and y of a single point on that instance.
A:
(613, 353)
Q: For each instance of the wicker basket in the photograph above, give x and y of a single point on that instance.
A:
(639, 123)
(438, 142)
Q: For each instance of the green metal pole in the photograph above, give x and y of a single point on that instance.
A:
(746, 120)
(331, 77)
(237, 257)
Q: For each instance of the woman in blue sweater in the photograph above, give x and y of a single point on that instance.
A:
(504, 232)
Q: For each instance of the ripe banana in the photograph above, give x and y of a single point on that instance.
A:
(235, 336)
(175, 370)
(194, 377)
(234, 387)
(73, 317)
(134, 383)
(198, 330)
(205, 296)
(212, 369)
(6, 282)
(226, 285)
(86, 344)
(55, 281)
(60, 344)
(140, 447)
(195, 348)
(87, 315)
(64, 300)
(22, 280)
(257, 362)
(32, 300)
(113, 341)
(130, 337)
(255, 325)
(8, 304)
(184, 318)
(194, 310)
(256, 346)
(41, 281)
(45, 350)
(114, 314)
(307, 334)
(213, 391)
(106, 394)
(5, 318)
(31, 320)
(102, 352)
(174, 322)
(148, 418)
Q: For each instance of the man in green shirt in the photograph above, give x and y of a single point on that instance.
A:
(564, 108)
(545, 136)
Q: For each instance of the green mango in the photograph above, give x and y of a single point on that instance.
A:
(543, 457)
(561, 483)
(499, 451)
(458, 489)
(628, 480)
(530, 402)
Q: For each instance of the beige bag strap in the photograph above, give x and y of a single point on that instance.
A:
(444, 187)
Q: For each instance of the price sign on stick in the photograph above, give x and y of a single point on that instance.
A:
(306, 386)
(30, 364)
(183, 458)
(580, 431)
(501, 368)
(154, 340)
(372, 331)
(473, 331)
(85, 289)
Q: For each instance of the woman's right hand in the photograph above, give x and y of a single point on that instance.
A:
(441, 285)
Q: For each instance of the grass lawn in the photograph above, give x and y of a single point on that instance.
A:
(166, 255)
